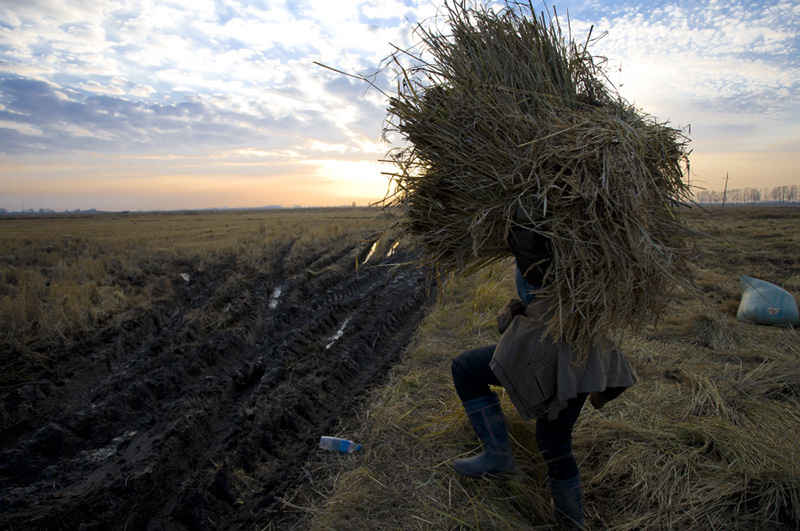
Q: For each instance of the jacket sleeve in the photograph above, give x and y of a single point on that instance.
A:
(507, 314)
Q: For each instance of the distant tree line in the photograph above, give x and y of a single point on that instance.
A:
(780, 194)
(44, 211)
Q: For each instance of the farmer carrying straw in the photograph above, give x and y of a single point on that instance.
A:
(544, 381)
(516, 146)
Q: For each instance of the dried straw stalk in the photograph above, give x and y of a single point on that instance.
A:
(503, 111)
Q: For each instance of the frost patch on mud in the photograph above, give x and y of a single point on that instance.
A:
(276, 297)
(339, 333)
(99, 455)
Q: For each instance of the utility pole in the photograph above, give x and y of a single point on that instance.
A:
(725, 193)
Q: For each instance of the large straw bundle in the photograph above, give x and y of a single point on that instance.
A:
(504, 112)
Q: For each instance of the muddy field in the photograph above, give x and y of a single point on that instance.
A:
(166, 422)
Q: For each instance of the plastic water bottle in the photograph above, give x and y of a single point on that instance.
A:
(338, 445)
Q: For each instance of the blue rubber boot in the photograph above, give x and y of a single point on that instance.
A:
(568, 501)
(497, 458)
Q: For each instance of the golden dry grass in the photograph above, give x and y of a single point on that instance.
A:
(64, 277)
(709, 438)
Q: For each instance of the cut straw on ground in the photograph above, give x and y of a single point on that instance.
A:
(708, 438)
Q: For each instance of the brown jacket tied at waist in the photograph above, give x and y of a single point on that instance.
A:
(541, 376)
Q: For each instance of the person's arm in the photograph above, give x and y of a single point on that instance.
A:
(530, 248)
(512, 309)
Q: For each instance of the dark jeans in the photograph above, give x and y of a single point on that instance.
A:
(472, 378)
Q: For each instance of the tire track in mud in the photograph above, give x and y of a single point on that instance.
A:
(176, 422)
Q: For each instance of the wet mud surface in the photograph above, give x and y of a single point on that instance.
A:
(200, 412)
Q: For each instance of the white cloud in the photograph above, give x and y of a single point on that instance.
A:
(21, 127)
(236, 79)
(326, 148)
(93, 86)
(383, 9)
(55, 10)
(702, 53)
(141, 91)
(26, 70)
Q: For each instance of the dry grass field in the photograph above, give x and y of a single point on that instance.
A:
(175, 371)
(64, 277)
(709, 438)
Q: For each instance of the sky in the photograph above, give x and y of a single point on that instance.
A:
(187, 104)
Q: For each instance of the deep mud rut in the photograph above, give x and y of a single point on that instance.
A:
(176, 420)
